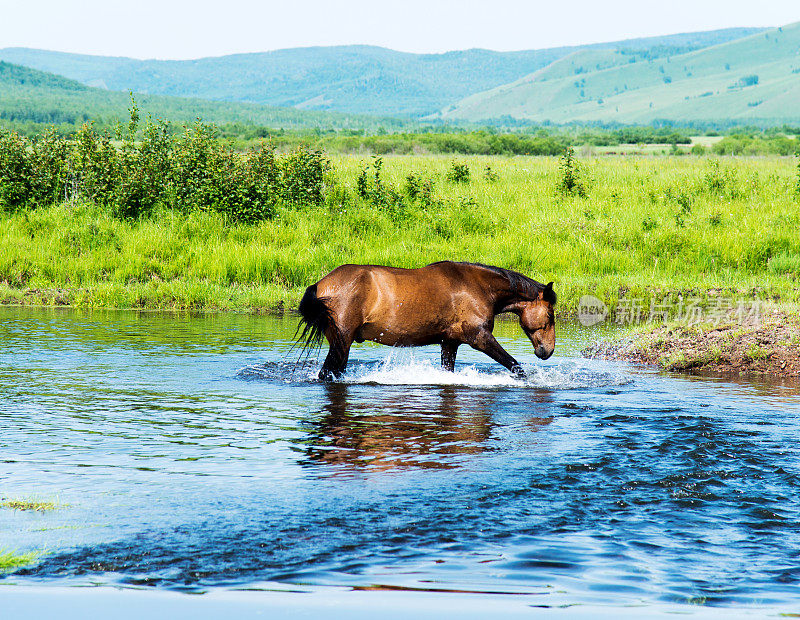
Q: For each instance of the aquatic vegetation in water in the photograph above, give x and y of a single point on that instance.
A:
(10, 560)
(30, 505)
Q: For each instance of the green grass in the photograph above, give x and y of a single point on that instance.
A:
(647, 226)
(10, 560)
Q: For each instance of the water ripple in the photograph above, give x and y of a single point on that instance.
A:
(191, 453)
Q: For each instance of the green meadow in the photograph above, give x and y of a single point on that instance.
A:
(633, 226)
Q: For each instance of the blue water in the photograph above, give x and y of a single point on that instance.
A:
(190, 452)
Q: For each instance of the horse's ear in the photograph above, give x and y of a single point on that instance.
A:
(548, 294)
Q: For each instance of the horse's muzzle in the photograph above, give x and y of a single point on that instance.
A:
(543, 353)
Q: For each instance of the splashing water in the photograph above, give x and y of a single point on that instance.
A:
(402, 367)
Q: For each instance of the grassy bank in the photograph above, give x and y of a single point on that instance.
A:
(643, 226)
(770, 346)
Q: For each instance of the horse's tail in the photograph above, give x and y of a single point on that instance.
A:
(315, 319)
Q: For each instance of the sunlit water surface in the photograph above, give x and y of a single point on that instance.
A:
(191, 452)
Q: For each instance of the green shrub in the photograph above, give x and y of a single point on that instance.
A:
(50, 172)
(303, 175)
(721, 181)
(698, 149)
(649, 223)
(490, 175)
(458, 173)
(192, 170)
(570, 182)
(371, 187)
(419, 188)
(16, 189)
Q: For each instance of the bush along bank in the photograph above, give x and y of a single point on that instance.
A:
(183, 172)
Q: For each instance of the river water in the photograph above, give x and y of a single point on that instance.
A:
(194, 453)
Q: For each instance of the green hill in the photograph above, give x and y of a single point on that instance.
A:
(356, 79)
(30, 98)
(755, 79)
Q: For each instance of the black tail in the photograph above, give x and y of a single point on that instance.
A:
(314, 322)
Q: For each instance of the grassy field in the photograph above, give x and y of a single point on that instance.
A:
(645, 226)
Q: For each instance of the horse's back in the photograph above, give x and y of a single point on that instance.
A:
(365, 280)
(402, 306)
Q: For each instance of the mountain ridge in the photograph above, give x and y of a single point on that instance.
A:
(33, 97)
(747, 80)
(360, 79)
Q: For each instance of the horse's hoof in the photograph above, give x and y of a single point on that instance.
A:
(326, 375)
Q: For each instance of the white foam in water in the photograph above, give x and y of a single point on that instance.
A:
(425, 373)
(402, 368)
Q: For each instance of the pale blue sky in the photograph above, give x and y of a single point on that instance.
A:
(191, 29)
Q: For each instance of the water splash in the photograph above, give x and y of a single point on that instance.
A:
(401, 367)
(423, 372)
(569, 375)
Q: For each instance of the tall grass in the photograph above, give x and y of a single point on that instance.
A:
(644, 226)
(10, 560)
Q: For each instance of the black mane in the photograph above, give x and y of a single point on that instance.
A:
(521, 285)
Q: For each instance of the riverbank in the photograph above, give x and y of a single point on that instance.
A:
(769, 346)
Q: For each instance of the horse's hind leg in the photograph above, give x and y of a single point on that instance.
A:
(336, 360)
(449, 350)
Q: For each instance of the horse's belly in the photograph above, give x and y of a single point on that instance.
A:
(384, 334)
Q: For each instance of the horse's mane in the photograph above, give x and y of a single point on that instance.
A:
(520, 284)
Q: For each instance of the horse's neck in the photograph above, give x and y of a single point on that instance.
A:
(507, 295)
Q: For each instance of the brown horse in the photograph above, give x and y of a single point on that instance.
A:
(443, 303)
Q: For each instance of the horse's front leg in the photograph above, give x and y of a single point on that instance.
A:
(449, 350)
(485, 342)
(338, 354)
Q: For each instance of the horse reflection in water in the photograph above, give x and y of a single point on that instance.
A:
(428, 429)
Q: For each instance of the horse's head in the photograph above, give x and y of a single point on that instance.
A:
(537, 320)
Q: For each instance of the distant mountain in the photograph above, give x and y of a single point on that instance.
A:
(356, 79)
(32, 97)
(752, 79)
